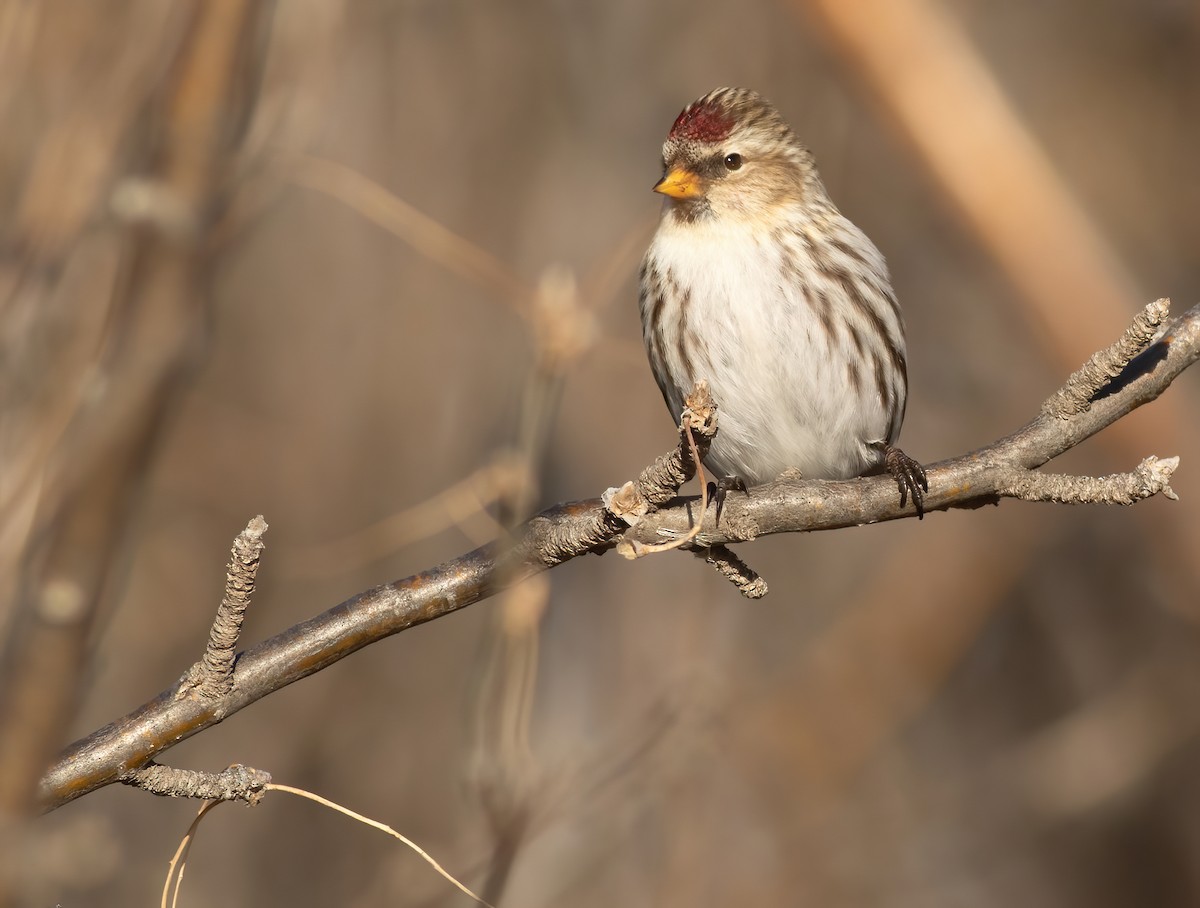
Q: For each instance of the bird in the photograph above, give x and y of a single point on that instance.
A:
(755, 282)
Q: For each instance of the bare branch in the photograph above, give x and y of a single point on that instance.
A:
(571, 529)
(122, 348)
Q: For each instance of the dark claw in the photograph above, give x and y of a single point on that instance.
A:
(910, 478)
(725, 485)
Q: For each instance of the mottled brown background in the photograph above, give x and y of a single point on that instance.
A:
(988, 708)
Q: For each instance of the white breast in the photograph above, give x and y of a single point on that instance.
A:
(767, 320)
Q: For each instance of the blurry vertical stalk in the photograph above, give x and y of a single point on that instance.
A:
(505, 771)
(955, 114)
(931, 82)
(114, 335)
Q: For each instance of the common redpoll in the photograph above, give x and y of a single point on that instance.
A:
(757, 283)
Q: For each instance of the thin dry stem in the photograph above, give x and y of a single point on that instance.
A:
(433, 240)
(461, 505)
(383, 827)
(178, 864)
(179, 859)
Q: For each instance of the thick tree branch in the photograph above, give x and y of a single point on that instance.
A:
(1003, 469)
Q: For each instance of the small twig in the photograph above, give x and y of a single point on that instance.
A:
(1105, 365)
(1151, 477)
(564, 531)
(634, 500)
(660, 482)
(236, 783)
(635, 549)
(212, 677)
(735, 570)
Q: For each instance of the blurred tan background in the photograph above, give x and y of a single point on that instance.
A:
(202, 323)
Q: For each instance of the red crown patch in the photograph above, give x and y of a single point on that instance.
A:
(702, 122)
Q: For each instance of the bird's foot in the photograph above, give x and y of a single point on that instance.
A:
(909, 476)
(722, 487)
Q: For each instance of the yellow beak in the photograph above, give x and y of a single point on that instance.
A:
(680, 183)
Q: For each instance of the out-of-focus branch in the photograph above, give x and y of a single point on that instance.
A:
(568, 530)
(423, 233)
(962, 124)
(931, 82)
(503, 772)
(89, 481)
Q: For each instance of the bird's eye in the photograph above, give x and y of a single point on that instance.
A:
(733, 161)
